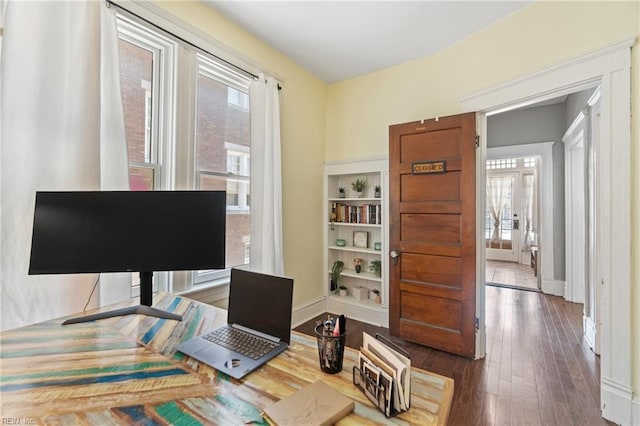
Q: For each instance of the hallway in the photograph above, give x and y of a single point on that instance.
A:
(510, 274)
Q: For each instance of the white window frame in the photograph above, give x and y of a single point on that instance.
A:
(174, 115)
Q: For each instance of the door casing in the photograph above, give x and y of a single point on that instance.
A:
(611, 67)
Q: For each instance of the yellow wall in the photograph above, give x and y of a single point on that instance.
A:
(303, 106)
(360, 110)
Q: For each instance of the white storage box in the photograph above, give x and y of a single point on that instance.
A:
(360, 293)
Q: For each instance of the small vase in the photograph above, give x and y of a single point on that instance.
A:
(359, 194)
(358, 268)
(342, 292)
(378, 299)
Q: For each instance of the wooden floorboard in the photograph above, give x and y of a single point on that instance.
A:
(538, 369)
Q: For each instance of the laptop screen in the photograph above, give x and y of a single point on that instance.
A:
(261, 302)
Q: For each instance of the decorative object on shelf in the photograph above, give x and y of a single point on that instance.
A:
(340, 242)
(377, 246)
(376, 191)
(360, 293)
(342, 291)
(360, 239)
(375, 295)
(375, 266)
(357, 263)
(358, 186)
(333, 216)
(341, 193)
(338, 265)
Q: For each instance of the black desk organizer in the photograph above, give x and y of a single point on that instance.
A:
(375, 392)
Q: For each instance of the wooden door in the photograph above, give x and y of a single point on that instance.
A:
(432, 194)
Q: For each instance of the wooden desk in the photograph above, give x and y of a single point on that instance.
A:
(125, 370)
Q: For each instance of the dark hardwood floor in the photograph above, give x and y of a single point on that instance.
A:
(538, 369)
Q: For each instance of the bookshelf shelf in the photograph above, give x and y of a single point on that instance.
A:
(360, 225)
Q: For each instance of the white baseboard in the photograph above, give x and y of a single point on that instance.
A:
(376, 315)
(308, 310)
(617, 403)
(554, 287)
(590, 332)
(373, 315)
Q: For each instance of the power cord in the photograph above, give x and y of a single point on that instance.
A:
(93, 290)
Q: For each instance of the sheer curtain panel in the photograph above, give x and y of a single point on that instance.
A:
(61, 129)
(266, 189)
(497, 192)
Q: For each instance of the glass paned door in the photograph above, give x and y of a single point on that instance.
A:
(502, 225)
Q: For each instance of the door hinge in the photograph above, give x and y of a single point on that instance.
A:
(477, 141)
(477, 323)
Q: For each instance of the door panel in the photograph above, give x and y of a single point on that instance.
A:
(445, 187)
(432, 227)
(436, 228)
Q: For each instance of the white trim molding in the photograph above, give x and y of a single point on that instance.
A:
(635, 410)
(304, 312)
(554, 287)
(576, 204)
(372, 315)
(618, 398)
(611, 68)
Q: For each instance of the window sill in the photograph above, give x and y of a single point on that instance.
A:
(209, 291)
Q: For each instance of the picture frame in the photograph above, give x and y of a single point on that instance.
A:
(360, 239)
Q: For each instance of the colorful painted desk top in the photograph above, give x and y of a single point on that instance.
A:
(125, 370)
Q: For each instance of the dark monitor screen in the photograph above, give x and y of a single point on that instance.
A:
(120, 231)
(261, 302)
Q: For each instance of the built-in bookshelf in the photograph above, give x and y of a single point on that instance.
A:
(356, 232)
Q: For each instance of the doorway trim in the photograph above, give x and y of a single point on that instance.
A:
(576, 147)
(611, 68)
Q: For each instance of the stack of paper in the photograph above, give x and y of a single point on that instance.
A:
(386, 375)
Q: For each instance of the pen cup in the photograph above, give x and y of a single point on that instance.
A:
(330, 350)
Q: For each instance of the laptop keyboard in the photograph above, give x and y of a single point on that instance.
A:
(247, 344)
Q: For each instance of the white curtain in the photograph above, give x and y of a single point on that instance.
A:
(266, 179)
(61, 129)
(528, 181)
(497, 192)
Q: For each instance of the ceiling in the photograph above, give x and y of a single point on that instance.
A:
(337, 40)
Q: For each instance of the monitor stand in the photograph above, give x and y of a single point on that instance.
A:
(144, 308)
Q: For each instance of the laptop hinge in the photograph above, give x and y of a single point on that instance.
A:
(257, 333)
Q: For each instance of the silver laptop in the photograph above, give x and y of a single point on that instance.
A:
(258, 325)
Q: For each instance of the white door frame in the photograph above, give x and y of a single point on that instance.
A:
(576, 200)
(611, 68)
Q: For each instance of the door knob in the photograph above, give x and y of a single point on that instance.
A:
(394, 256)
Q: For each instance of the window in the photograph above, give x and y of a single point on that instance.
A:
(505, 163)
(186, 130)
(529, 162)
(223, 142)
(238, 98)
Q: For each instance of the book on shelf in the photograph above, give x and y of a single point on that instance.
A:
(361, 214)
(314, 404)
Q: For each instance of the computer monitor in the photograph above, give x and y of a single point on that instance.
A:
(128, 231)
